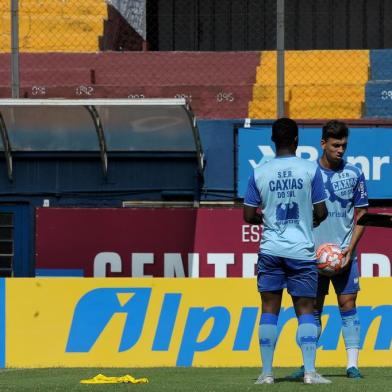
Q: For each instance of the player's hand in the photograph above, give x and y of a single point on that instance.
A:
(347, 252)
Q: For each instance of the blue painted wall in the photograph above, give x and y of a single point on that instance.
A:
(217, 138)
(378, 91)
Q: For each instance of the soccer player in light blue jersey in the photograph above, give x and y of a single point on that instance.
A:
(290, 193)
(347, 197)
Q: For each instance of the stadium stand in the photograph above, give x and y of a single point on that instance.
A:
(318, 84)
(379, 88)
(218, 84)
(55, 25)
(60, 43)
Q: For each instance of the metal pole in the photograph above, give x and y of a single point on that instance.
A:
(15, 48)
(280, 57)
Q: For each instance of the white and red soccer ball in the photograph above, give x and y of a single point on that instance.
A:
(329, 259)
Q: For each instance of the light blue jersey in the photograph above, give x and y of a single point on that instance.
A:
(286, 188)
(346, 189)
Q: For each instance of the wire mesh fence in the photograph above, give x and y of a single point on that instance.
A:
(220, 54)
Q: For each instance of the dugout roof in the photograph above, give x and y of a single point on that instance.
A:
(98, 125)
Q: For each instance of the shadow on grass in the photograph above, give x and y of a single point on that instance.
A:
(278, 380)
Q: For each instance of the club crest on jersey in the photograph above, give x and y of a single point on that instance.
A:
(340, 186)
(287, 213)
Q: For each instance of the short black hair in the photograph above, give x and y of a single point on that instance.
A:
(284, 132)
(335, 129)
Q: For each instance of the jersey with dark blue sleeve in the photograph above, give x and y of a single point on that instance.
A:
(346, 190)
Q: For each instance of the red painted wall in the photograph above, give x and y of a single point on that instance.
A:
(141, 241)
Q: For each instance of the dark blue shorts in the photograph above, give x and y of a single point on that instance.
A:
(347, 282)
(276, 273)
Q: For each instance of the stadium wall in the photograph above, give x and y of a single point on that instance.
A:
(368, 148)
(77, 182)
(166, 242)
(169, 322)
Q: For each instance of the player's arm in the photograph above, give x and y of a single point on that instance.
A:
(251, 215)
(252, 201)
(361, 202)
(320, 213)
(357, 234)
(319, 196)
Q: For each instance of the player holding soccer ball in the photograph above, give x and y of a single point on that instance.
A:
(347, 197)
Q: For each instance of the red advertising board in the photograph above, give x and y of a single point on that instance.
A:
(166, 242)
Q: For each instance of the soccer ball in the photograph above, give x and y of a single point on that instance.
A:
(329, 259)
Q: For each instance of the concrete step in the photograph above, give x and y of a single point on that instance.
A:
(316, 110)
(328, 92)
(378, 101)
(44, 43)
(50, 77)
(62, 7)
(381, 64)
(54, 24)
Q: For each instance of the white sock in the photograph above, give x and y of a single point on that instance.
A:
(352, 357)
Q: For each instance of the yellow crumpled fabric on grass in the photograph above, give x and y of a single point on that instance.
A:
(102, 379)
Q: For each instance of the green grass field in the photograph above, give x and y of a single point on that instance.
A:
(187, 379)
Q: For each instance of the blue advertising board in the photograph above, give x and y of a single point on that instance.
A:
(369, 148)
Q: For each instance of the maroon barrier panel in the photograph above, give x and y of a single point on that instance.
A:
(166, 242)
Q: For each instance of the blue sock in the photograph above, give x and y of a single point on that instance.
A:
(307, 338)
(268, 333)
(350, 328)
(317, 320)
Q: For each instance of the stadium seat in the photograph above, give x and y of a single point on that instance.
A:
(318, 84)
